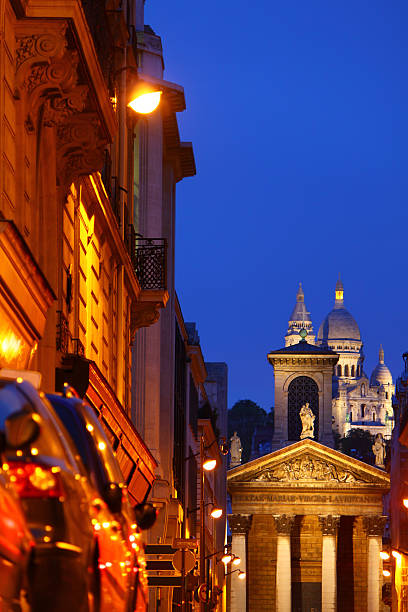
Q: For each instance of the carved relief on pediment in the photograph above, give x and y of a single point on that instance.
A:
(308, 468)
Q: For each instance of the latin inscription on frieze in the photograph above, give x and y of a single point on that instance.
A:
(302, 499)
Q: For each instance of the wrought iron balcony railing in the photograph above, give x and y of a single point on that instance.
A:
(149, 259)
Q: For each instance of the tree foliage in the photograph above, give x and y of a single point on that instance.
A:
(243, 417)
(358, 444)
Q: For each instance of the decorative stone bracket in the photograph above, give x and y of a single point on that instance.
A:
(48, 75)
(146, 311)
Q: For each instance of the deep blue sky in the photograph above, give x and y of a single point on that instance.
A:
(298, 114)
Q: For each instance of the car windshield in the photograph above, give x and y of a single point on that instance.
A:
(50, 444)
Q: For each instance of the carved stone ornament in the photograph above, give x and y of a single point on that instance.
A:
(46, 74)
(329, 524)
(80, 149)
(144, 315)
(374, 525)
(50, 94)
(283, 523)
(239, 523)
(307, 468)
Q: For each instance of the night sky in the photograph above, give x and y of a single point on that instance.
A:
(298, 114)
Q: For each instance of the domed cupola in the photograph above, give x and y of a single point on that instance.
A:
(339, 323)
(299, 319)
(381, 374)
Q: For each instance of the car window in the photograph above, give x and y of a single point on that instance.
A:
(50, 442)
(103, 446)
(81, 438)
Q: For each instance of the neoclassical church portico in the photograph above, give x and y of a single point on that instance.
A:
(308, 522)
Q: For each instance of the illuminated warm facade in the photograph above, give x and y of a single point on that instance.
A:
(77, 280)
(398, 564)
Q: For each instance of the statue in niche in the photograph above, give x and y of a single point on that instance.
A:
(307, 417)
(379, 450)
(235, 450)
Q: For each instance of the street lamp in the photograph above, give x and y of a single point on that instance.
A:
(145, 102)
(206, 465)
(241, 574)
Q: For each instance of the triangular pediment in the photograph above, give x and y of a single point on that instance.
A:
(305, 463)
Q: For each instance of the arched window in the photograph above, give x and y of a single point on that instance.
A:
(352, 370)
(358, 371)
(386, 395)
(363, 390)
(302, 390)
(351, 417)
(362, 410)
(339, 370)
(374, 415)
(346, 370)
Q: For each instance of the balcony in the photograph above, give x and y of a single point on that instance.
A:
(149, 260)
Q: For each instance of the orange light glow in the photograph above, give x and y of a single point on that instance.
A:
(146, 102)
(386, 573)
(241, 575)
(396, 554)
(209, 465)
(384, 555)
(226, 559)
(405, 502)
(236, 561)
(101, 446)
(216, 513)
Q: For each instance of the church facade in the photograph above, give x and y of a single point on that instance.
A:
(307, 519)
(358, 400)
(307, 522)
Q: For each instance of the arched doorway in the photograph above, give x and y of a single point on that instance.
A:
(301, 390)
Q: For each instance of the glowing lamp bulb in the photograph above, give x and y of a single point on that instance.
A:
(216, 513)
(396, 554)
(405, 502)
(384, 555)
(209, 464)
(226, 559)
(241, 575)
(146, 103)
(236, 561)
(386, 573)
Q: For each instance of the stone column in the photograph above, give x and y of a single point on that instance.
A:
(329, 525)
(374, 527)
(283, 524)
(239, 524)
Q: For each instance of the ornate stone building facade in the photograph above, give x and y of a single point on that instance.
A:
(309, 522)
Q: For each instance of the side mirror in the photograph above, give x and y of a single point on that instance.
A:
(21, 429)
(145, 515)
(113, 497)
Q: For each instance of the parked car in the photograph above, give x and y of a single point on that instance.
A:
(54, 491)
(122, 573)
(16, 541)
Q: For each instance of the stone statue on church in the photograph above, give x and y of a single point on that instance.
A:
(235, 450)
(307, 417)
(379, 450)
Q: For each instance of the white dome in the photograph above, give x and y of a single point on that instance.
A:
(381, 374)
(339, 325)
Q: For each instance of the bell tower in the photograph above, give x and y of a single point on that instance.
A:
(303, 375)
